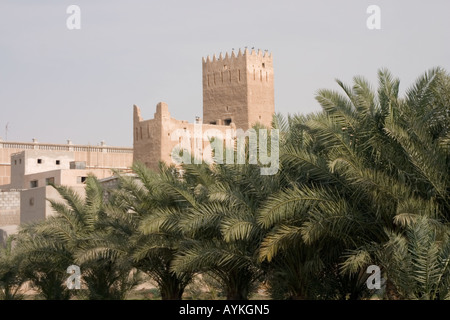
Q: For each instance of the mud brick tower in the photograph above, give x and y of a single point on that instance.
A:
(239, 89)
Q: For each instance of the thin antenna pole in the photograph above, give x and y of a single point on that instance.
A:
(6, 131)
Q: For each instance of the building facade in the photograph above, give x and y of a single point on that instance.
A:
(102, 156)
(238, 92)
(30, 173)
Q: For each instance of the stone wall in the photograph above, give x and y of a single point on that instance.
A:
(155, 139)
(9, 207)
(225, 93)
(34, 204)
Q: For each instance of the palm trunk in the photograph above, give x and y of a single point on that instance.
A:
(391, 291)
(237, 286)
(172, 288)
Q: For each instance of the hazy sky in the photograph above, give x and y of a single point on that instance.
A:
(58, 84)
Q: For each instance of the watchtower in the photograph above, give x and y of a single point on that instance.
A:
(239, 89)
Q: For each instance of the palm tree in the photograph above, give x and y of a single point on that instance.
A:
(366, 161)
(11, 279)
(417, 261)
(44, 263)
(67, 238)
(222, 233)
(147, 209)
(365, 181)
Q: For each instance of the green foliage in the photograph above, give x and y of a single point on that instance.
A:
(418, 261)
(145, 216)
(11, 278)
(222, 233)
(368, 167)
(75, 235)
(366, 181)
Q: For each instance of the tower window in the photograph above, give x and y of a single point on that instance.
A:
(263, 65)
(15, 161)
(34, 184)
(58, 162)
(39, 161)
(213, 122)
(49, 181)
(239, 71)
(227, 122)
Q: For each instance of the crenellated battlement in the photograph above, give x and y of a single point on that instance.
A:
(237, 69)
(239, 56)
